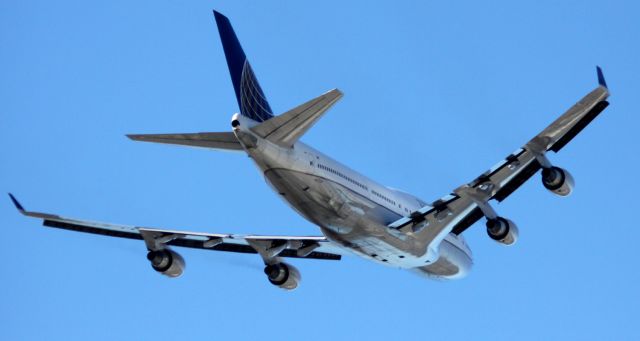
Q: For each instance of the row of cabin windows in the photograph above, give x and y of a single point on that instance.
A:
(383, 197)
(343, 176)
(331, 170)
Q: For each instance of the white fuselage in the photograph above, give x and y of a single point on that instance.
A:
(352, 210)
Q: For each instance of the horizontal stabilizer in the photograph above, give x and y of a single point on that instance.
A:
(220, 141)
(287, 128)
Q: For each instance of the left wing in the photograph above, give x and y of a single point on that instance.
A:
(312, 247)
(468, 203)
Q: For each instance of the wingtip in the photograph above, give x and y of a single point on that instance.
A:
(16, 203)
(601, 79)
(335, 92)
(134, 137)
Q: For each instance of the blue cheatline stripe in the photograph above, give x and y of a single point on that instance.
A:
(251, 99)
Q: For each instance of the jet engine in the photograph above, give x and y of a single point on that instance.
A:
(502, 230)
(283, 275)
(557, 180)
(166, 262)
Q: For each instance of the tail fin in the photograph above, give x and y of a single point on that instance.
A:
(251, 99)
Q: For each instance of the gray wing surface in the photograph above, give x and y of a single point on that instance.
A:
(311, 247)
(458, 211)
(287, 128)
(220, 141)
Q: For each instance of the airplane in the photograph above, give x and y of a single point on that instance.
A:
(355, 214)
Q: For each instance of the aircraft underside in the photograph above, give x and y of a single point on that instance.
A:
(360, 226)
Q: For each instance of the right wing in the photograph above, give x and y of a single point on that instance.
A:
(456, 212)
(220, 141)
(312, 247)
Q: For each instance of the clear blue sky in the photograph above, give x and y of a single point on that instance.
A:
(435, 93)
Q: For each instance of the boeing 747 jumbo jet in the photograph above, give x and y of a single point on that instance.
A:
(355, 214)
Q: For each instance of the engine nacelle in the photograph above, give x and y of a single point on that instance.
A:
(166, 262)
(557, 180)
(502, 230)
(283, 275)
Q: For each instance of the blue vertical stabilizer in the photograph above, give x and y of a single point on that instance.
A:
(251, 99)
